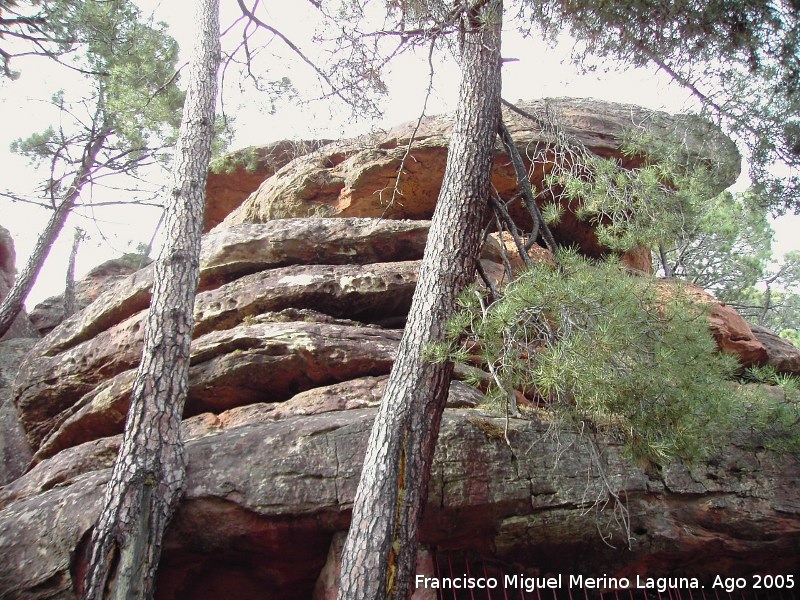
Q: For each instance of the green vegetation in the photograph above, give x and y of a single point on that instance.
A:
(648, 205)
(773, 300)
(246, 158)
(130, 104)
(597, 348)
(739, 59)
(719, 241)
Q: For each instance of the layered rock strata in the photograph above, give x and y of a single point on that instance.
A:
(297, 324)
(265, 496)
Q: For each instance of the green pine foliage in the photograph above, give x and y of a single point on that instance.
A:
(773, 301)
(130, 96)
(246, 158)
(598, 348)
(739, 58)
(644, 206)
(770, 411)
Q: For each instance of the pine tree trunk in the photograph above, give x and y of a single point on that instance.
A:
(70, 300)
(148, 476)
(379, 556)
(13, 302)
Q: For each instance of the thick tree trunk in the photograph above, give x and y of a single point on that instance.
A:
(149, 473)
(379, 557)
(13, 302)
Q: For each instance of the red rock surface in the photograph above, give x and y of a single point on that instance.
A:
(264, 500)
(298, 321)
(21, 327)
(357, 177)
(238, 174)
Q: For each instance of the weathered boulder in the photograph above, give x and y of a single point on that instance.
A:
(236, 175)
(74, 386)
(228, 254)
(297, 324)
(261, 527)
(49, 313)
(356, 177)
(255, 358)
(781, 353)
(731, 332)
(253, 362)
(15, 452)
(21, 327)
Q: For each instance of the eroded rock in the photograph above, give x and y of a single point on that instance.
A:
(266, 523)
(781, 354)
(238, 174)
(49, 313)
(50, 385)
(731, 332)
(251, 363)
(357, 177)
(227, 254)
(15, 452)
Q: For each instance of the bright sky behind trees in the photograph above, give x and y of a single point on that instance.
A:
(540, 71)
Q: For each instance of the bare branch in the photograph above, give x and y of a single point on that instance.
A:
(294, 49)
(396, 189)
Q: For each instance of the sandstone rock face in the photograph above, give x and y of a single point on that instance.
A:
(258, 523)
(15, 452)
(731, 332)
(244, 249)
(781, 354)
(74, 387)
(357, 177)
(297, 324)
(258, 362)
(21, 327)
(733, 335)
(49, 313)
(238, 174)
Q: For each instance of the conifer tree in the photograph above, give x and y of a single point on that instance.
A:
(744, 49)
(379, 556)
(116, 129)
(148, 475)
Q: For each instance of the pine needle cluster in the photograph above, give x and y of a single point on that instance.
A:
(599, 349)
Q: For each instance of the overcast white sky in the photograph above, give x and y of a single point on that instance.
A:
(540, 72)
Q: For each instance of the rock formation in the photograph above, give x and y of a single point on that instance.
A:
(233, 178)
(298, 321)
(50, 312)
(781, 354)
(21, 327)
(15, 451)
(357, 177)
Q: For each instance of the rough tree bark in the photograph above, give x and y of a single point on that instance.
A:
(149, 472)
(13, 302)
(379, 556)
